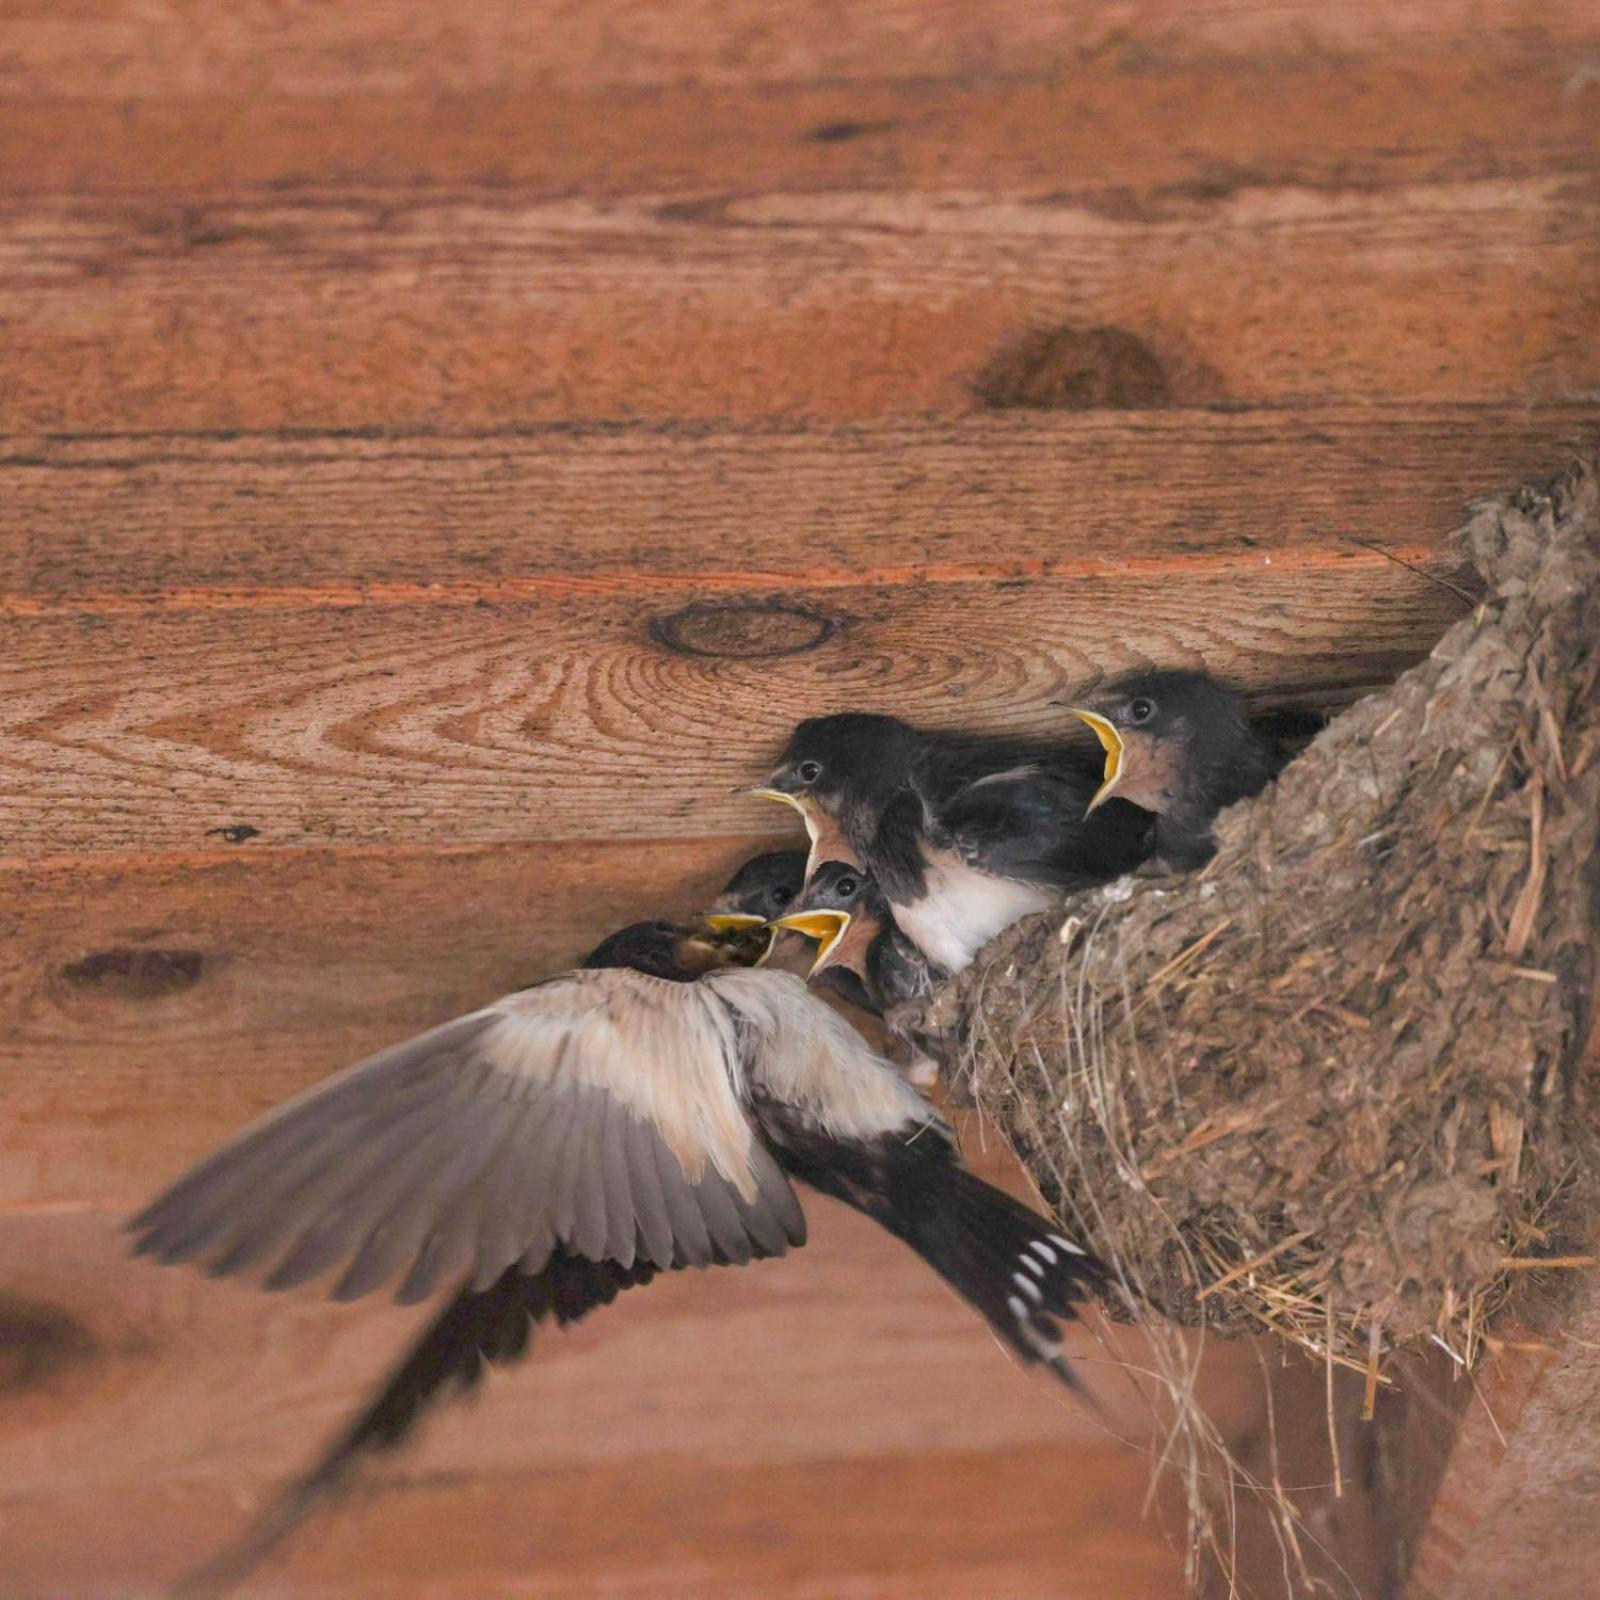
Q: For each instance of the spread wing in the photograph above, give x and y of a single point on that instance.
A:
(600, 1113)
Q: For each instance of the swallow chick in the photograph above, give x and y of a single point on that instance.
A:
(858, 940)
(964, 834)
(761, 890)
(863, 956)
(645, 1113)
(1181, 745)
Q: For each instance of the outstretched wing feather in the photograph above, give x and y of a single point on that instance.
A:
(601, 1112)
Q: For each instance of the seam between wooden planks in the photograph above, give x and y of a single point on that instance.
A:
(382, 593)
(386, 850)
(1311, 418)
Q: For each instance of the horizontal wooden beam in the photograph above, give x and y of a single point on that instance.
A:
(236, 224)
(102, 49)
(168, 521)
(1086, 128)
(483, 309)
(619, 714)
(443, 640)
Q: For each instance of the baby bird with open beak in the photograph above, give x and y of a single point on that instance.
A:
(645, 1113)
(859, 944)
(1181, 745)
(762, 889)
(862, 955)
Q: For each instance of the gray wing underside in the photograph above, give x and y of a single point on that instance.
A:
(438, 1160)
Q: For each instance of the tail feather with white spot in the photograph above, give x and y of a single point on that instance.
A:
(1010, 1265)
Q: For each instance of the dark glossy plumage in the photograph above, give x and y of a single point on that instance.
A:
(995, 1252)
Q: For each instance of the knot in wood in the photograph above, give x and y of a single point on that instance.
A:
(743, 629)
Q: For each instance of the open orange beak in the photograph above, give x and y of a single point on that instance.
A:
(826, 927)
(1111, 742)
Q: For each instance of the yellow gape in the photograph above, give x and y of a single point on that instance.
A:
(826, 927)
(1111, 742)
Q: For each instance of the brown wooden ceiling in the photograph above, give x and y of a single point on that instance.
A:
(442, 447)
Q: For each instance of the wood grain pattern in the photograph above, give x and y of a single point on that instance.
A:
(549, 211)
(105, 48)
(565, 716)
(1524, 1460)
(1522, 1466)
(478, 310)
(701, 1406)
(174, 521)
(1124, 134)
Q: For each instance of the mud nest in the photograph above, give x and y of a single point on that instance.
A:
(1331, 1085)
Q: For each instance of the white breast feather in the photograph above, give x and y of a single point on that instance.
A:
(963, 909)
(809, 1057)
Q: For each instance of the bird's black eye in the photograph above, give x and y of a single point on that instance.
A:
(1141, 710)
(781, 897)
(808, 771)
(846, 886)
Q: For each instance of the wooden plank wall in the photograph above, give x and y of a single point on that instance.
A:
(442, 448)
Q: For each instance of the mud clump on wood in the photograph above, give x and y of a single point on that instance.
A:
(1331, 1086)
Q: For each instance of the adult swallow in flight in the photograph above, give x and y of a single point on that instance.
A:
(963, 833)
(640, 1115)
(1181, 745)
